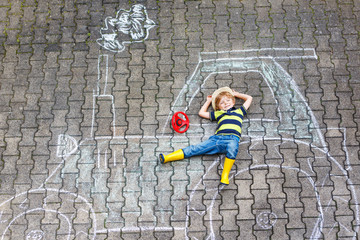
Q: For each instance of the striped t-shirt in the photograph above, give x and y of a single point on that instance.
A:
(229, 122)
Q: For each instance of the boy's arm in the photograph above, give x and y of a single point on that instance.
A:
(247, 98)
(204, 109)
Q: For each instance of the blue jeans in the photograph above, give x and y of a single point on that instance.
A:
(228, 144)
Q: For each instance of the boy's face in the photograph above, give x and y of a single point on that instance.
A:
(226, 103)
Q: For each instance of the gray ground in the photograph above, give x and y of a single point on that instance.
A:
(88, 89)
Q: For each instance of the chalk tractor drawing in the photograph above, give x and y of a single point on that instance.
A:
(282, 140)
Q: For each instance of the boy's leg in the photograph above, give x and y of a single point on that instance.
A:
(232, 150)
(207, 147)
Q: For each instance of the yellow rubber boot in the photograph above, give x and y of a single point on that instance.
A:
(225, 174)
(177, 155)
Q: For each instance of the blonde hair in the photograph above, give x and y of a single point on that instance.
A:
(220, 96)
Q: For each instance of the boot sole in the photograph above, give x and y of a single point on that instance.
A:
(162, 159)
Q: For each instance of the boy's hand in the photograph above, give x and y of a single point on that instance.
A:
(209, 98)
(245, 97)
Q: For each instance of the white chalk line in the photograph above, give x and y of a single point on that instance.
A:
(141, 229)
(165, 136)
(265, 50)
(99, 73)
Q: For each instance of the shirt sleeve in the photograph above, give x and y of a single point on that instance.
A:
(212, 116)
(242, 108)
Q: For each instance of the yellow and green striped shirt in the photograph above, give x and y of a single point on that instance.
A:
(229, 122)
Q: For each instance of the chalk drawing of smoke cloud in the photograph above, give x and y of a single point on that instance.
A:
(127, 27)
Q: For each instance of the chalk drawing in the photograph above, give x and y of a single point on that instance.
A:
(40, 210)
(127, 27)
(40, 207)
(256, 60)
(67, 145)
(35, 235)
(266, 220)
(2, 221)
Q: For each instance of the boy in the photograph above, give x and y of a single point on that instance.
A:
(227, 135)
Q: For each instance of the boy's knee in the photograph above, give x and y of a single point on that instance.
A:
(232, 153)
